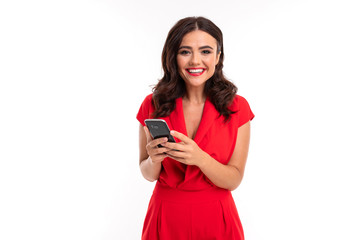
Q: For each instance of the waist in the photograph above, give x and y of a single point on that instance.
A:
(164, 192)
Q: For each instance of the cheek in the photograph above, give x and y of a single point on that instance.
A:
(180, 62)
(211, 62)
(180, 66)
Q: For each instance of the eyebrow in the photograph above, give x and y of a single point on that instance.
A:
(187, 47)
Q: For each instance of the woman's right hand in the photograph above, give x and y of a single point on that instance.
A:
(156, 154)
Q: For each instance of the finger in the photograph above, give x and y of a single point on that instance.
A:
(180, 136)
(155, 142)
(176, 154)
(158, 158)
(173, 146)
(160, 150)
(182, 160)
(157, 154)
(147, 133)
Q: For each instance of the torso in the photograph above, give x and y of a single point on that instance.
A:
(192, 116)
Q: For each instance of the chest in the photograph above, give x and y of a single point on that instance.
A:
(192, 117)
(204, 125)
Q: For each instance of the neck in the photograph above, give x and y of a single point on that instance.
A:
(196, 96)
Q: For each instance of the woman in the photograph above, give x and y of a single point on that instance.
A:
(192, 198)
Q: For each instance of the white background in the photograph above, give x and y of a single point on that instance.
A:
(74, 73)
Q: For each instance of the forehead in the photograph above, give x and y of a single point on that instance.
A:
(198, 38)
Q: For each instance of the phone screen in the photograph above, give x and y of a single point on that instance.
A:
(158, 128)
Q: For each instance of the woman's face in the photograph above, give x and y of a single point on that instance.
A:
(197, 58)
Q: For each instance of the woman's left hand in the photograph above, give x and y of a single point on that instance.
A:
(186, 151)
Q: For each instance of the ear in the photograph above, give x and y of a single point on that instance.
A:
(218, 58)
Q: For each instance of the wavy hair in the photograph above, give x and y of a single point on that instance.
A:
(171, 86)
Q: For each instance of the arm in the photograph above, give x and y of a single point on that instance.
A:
(229, 176)
(225, 176)
(150, 156)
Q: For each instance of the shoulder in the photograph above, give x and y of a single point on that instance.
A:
(147, 100)
(238, 103)
(145, 109)
(242, 111)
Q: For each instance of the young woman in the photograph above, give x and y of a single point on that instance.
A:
(192, 198)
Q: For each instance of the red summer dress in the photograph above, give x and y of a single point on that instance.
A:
(185, 204)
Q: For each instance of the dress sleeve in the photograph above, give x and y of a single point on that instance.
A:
(244, 113)
(145, 110)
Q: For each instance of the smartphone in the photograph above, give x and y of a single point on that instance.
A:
(158, 128)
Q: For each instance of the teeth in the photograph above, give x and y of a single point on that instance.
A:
(195, 70)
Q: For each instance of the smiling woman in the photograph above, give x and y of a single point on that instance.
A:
(192, 198)
(198, 56)
(172, 86)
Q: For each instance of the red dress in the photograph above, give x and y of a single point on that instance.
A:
(185, 204)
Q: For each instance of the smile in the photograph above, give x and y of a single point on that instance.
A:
(195, 71)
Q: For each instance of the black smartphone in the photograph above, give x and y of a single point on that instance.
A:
(158, 128)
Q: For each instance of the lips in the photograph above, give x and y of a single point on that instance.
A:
(195, 71)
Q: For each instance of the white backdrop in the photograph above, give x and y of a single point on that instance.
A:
(73, 74)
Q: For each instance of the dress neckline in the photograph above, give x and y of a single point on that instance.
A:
(208, 116)
(184, 123)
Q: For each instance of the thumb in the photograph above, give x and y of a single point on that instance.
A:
(147, 133)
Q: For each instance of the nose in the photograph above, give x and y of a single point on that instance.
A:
(195, 59)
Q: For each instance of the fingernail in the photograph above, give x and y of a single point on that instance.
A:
(172, 132)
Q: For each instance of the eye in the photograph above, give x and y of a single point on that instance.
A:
(206, 52)
(184, 52)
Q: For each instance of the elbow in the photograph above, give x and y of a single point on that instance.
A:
(150, 179)
(236, 180)
(150, 171)
(234, 186)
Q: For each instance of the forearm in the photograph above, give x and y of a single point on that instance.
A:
(150, 170)
(224, 176)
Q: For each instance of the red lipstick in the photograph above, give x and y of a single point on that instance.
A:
(195, 71)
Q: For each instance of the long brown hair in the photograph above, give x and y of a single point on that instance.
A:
(220, 91)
